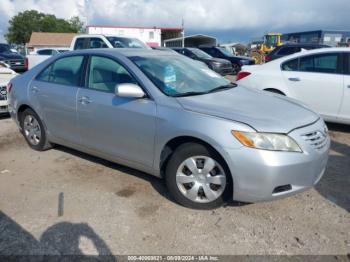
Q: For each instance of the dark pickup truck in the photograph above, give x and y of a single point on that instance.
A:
(14, 60)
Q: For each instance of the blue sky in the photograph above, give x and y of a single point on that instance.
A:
(229, 20)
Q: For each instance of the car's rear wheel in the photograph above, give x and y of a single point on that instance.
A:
(33, 130)
(197, 177)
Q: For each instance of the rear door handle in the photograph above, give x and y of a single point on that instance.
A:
(348, 86)
(84, 100)
(294, 79)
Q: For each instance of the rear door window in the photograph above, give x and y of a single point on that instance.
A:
(96, 42)
(323, 63)
(79, 44)
(67, 71)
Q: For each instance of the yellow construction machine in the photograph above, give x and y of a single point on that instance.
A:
(271, 41)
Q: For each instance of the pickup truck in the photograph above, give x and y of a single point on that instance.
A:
(92, 41)
(16, 61)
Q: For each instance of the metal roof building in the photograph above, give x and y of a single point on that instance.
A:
(191, 41)
(326, 37)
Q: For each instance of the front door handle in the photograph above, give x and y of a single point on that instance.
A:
(294, 79)
(348, 86)
(84, 100)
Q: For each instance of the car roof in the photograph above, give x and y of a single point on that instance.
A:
(310, 52)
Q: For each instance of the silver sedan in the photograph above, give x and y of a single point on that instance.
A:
(171, 117)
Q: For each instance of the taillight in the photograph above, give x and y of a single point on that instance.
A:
(9, 87)
(26, 63)
(267, 58)
(242, 75)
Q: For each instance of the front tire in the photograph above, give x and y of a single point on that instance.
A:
(197, 177)
(33, 130)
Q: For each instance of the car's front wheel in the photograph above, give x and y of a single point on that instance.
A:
(197, 177)
(34, 131)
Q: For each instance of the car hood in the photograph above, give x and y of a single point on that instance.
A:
(9, 55)
(263, 111)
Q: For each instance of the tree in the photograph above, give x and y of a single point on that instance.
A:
(24, 23)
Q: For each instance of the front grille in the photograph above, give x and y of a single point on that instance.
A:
(3, 93)
(316, 139)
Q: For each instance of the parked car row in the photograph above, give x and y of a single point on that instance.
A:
(16, 61)
(167, 115)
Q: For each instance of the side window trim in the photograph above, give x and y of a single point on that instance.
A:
(340, 63)
(88, 63)
(339, 59)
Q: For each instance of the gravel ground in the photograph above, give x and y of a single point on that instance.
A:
(65, 202)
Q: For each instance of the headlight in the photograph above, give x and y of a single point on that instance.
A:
(267, 141)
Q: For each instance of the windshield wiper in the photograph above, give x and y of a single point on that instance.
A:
(223, 87)
(192, 93)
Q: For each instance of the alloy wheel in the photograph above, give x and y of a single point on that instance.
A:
(32, 129)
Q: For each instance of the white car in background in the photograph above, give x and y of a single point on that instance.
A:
(6, 74)
(319, 79)
(41, 55)
(50, 51)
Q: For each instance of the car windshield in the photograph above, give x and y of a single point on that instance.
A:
(5, 48)
(123, 42)
(224, 51)
(62, 50)
(180, 76)
(200, 53)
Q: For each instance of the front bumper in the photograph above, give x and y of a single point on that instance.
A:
(259, 174)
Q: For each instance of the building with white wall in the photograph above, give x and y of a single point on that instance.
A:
(152, 36)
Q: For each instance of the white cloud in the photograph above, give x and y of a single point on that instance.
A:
(206, 15)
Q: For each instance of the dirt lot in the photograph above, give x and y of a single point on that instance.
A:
(63, 201)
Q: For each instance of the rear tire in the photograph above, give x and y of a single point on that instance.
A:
(33, 130)
(197, 177)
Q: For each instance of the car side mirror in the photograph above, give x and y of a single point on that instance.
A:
(129, 90)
